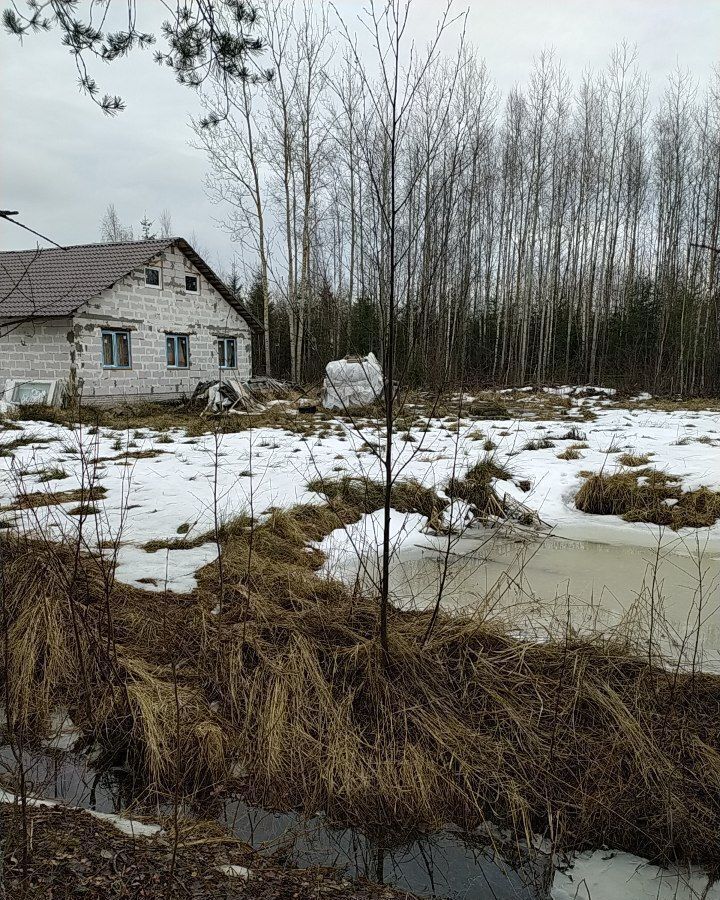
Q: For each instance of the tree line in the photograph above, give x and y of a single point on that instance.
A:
(563, 231)
(547, 235)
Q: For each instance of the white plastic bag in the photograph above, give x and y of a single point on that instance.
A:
(352, 382)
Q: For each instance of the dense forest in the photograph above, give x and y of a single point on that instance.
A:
(546, 235)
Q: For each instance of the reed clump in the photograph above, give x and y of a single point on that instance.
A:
(476, 486)
(646, 495)
(283, 689)
(366, 495)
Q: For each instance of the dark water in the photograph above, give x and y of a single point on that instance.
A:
(448, 864)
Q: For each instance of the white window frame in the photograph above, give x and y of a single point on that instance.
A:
(197, 281)
(158, 286)
(225, 341)
(177, 338)
(114, 332)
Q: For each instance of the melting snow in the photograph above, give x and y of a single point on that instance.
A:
(194, 479)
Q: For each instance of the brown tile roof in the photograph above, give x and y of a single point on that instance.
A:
(54, 282)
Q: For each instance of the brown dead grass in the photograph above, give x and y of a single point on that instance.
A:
(163, 417)
(35, 499)
(633, 460)
(675, 404)
(287, 685)
(646, 495)
(366, 496)
(130, 454)
(476, 486)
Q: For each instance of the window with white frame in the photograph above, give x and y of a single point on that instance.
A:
(191, 284)
(115, 349)
(177, 351)
(152, 277)
(227, 355)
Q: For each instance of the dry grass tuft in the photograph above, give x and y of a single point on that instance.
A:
(7, 447)
(366, 496)
(648, 496)
(84, 509)
(574, 434)
(52, 473)
(570, 453)
(476, 486)
(130, 454)
(539, 444)
(188, 541)
(488, 409)
(633, 460)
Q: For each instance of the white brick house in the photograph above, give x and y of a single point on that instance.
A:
(138, 319)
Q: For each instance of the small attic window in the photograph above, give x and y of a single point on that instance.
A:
(152, 276)
(191, 284)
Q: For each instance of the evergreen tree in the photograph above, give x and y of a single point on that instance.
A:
(203, 38)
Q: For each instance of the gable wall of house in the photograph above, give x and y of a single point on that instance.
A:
(35, 350)
(150, 314)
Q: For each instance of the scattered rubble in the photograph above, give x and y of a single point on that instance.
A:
(230, 395)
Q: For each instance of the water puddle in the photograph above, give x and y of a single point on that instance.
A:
(449, 864)
(537, 582)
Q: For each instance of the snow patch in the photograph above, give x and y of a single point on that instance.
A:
(603, 875)
(131, 827)
(234, 871)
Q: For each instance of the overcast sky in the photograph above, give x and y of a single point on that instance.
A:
(62, 161)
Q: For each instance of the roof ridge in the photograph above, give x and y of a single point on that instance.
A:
(165, 241)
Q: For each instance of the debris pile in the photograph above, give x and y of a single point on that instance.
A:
(230, 395)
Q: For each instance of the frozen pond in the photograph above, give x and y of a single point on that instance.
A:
(671, 589)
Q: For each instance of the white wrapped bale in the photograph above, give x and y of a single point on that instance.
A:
(351, 382)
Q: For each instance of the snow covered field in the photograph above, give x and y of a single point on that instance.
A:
(192, 479)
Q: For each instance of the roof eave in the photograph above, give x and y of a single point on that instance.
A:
(255, 325)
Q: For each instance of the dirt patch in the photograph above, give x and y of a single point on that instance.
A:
(74, 854)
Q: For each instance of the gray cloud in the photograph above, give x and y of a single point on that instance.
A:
(63, 161)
